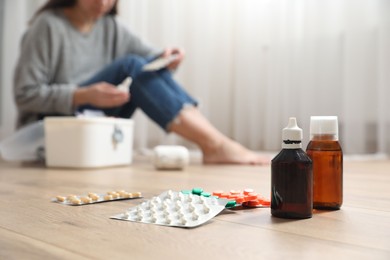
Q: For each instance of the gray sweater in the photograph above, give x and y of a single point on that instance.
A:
(55, 58)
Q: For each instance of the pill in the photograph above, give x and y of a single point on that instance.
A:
(180, 215)
(240, 199)
(75, 201)
(195, 216)
(186, 192)
(230, 204)
(107, 197)
(190, 198)
(135, 195)
(165, 205)
(235, 192)
(157, 199)
(153, 219)
(233, 196)
(124, 195)
(180, 197)
(205, 194)
(217, 193)
(166, 212)
(224, 195)
(183, 221)
(60, 198)
(191, 208)
(247, 191)
(153, 211)
(178, 206)
(70, 197)
(94, 197)
(86, 199)
(266, 203)
(162, 214)
(202, 200)
(197, 191)
(250, 196)
(170, 194)
(252, 203)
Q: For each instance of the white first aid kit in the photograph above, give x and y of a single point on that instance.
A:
(88, 142)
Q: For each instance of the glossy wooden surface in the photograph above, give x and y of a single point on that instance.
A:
(33, 227)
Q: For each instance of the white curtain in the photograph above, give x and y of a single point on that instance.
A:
(15, 16)
(254, 63)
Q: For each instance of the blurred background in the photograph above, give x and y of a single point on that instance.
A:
(252, 64)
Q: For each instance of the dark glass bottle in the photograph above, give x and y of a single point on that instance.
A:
(327, 156)
(292, 179)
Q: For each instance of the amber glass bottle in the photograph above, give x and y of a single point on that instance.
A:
(291, 180)
(325, 151)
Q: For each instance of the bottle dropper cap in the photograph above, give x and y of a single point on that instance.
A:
(292, 135)
(324, 125)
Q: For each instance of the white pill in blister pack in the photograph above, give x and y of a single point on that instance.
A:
(175, 209)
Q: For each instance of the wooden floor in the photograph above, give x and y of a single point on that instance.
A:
(33, 227)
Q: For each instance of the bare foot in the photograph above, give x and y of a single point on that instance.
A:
(230, 152)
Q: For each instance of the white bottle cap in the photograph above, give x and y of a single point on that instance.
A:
(292, 135)
(324, 125)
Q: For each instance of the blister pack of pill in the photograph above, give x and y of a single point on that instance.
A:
(91, 197)
(236, 198)
(176, 209)
(159, 63)
(125, 84)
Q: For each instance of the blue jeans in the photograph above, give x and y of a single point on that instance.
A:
(156, 93)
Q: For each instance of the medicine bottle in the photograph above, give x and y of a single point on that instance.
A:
(325, 151)
(291, 177)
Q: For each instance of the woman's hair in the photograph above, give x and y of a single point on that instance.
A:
(55, 4)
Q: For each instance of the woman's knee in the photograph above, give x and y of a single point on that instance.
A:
(134, 62)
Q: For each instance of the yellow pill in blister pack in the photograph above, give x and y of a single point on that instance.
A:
(86, 199)
(92, 197)
(123, 194)
(75, 201)
(107, 197)
(70, 197)
(136, 194)
(60, 198)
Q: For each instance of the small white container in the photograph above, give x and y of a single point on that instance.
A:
(88, 142)
(170, 157)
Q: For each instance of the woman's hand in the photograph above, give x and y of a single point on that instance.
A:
(102, 95)
(180, 56)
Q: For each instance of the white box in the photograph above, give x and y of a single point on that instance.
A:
(88, 142)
